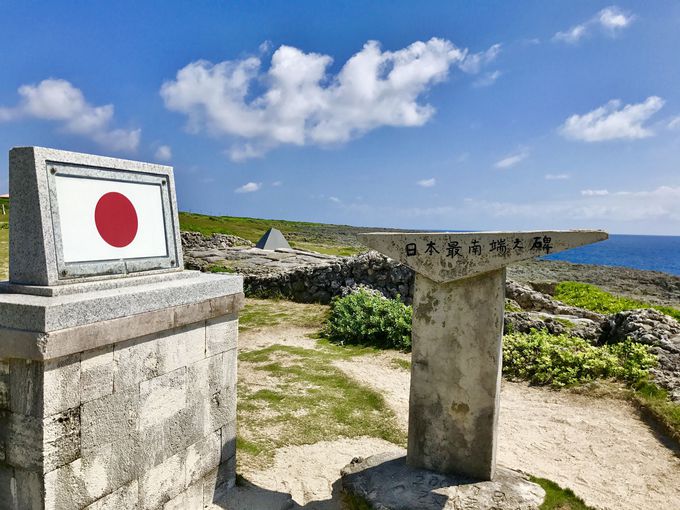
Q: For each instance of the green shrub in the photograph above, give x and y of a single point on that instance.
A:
(366, 318)
(562, 360)
(593, 298)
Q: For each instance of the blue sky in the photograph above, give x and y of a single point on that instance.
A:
(441, 115)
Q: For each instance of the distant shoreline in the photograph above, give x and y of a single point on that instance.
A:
(642, 284)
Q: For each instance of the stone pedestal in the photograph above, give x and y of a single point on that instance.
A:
(119, 394)
(387, 482)
(456, 374)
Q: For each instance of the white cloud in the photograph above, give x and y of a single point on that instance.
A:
(610, 20)
(512, 159)
(427, 183)
(571, 36)
(594, 192)
(674, 123)
(487, 79)
(472, 63)
(302, 104)
(164, 153)
(58, 100)
(613, 18)
(612, 121)
(556, 177)
(249, 187)
(277, 184)
(334, 199)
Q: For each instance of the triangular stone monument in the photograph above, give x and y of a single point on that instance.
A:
(273, 240)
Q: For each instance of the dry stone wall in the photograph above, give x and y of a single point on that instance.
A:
(145, 423)
(320, 283)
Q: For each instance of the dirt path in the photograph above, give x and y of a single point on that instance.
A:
(291, 336)
(597, 447)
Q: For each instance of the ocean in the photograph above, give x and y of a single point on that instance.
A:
(656, 253)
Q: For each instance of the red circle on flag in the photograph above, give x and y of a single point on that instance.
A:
(116, 219)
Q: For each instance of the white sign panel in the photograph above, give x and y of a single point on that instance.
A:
(103, 219)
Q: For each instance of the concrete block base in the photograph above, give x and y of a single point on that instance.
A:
(143, 422)
(387, 482)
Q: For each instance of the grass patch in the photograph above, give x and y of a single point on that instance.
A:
(216, 268)
(591, 297)
(306, 400)
(404, 364)
(656, 403)
(557, 498)
(263, 313)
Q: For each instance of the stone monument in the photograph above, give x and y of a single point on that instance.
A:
(273, 240)
(117, 367)
(458, 308)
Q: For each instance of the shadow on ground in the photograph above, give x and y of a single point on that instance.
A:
(248, 496)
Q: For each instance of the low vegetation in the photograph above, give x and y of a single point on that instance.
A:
(319, 237)
(367, 318)
(557, 498)
(263, 313)
(655, 402)
(562, 360)
(306, 399)
(593, 298)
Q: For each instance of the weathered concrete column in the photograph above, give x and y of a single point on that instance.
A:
(117, 367)
(458, 307)
(455, 375)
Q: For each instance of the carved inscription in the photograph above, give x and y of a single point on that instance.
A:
(500, 247)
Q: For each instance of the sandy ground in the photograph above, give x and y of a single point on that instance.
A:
(597, 447)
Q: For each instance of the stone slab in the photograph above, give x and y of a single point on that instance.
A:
(45, 314)
(449, 256)
(35, 239)
(387, 482)
(97, 283)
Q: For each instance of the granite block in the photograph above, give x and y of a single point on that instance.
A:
(26, 387)
(4, 385)
(46, 314)
(222, 408)
(29, 488)
(61, 384)
(24, 441)
(162, 483)
(202, 457)
(218, 483)
(228, 441)
(161, 398)
(125, 498)
(110, 419)
(190, 499)
(96, 373)
(7, 487)
(61, 439)
(135, 360)
(221, 334)
(91, 477)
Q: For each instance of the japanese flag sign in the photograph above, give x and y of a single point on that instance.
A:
(102, 219)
